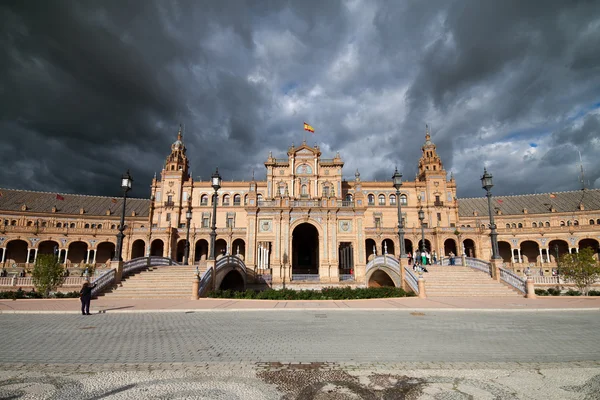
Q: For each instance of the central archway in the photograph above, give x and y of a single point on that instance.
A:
(305, 250)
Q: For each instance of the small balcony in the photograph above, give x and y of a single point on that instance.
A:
(169, 204)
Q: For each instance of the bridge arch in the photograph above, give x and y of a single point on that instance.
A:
(382, 275)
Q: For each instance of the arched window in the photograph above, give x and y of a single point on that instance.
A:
(226, 200)
(236, 200)
(507, 226)
(204, 200)
(29, 223)
(87, 226)
(468, 226)
(58, 225)
(381, 200)
(349, 197)
(304, 191)
(403, 200)
(534, 225)
(113, 226)
(514, 225)
(212, 200)
(598, 221)
(520, 225)
(562, 223)
(591, 222)
(392, 199)
(44, 223)
(93, 226)
(100, 226)
(483, 226)
(371, 199)
(246, 200)
(259, 197)
(72, 226)
(547, 224)
(568, 223)
(13, 222)
(575, 222)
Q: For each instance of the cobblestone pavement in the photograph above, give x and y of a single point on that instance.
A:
(302, 355)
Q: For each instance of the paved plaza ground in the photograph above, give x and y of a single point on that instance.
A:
(310, 353)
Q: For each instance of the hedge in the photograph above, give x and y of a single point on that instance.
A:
(330, 293)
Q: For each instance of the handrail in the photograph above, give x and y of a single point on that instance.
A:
(140, 263)
(226, 260)
(513, 280)
(103, 281)
(205, 279)
(478, 264)
(387, 260)
(411, 279)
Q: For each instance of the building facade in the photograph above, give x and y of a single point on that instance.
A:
(304, 222)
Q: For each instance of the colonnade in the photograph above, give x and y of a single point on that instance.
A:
(263, 253)
(347, 257)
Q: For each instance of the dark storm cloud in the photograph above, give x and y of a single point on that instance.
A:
(89, 89)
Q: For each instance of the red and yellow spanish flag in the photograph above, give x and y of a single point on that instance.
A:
(309, 128)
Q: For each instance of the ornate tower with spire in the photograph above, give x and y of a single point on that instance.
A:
(177, 160)
(430, 162)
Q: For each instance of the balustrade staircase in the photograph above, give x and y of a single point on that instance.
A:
(459, 281)
(164, 282)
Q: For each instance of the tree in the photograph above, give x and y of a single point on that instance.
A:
(47, 273)
(581, 268)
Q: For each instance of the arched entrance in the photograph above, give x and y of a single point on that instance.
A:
(427, 245)
(16, 252)
(530, 251)
(559, 247)
(232, 281)
(591, 243)
(239, 247)
(220, 247)
(77, 252)
(180, 252)
(505, 251)
(201, 250)
(388, 245)
(157, 248)
(305, 250)
(370, 248)
(408, 246)
(450, 246)
(379, 279)
(469, 245)
(138, 249)
(105, 252)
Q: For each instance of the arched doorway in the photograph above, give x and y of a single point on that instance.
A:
(138, 249)
(469, 245)
(16, 252)
(239, 247)
(201, 250)
(220, 247)
(157, 248)
(180, 252)
(408, 246)
(388, 245)
(505, 251)
(370, 248)
(450, 246)
(530, 251)
(591, 243)
(559, 247)
(427, 245)
(305, 250)
(379, 279)
(105, 252)
(77, 252)
(232, 281)
(48, 247)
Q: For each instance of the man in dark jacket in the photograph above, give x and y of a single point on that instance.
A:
(85, 295)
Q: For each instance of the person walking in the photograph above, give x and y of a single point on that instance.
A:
(85, 295)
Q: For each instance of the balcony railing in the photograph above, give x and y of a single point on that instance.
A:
(169, 204)
(438, 203)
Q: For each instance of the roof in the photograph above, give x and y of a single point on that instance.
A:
(534, 203)
(42, 202)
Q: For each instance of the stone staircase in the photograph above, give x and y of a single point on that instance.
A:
(168, 282)
(459, 281)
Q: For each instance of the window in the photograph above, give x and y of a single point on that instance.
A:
(13, 222)
(59, 225)
(236, 200)
(371, 199)
(204, 200)
(520, 225)
(113, 226)
(514, 225)
(562, 223)
(377, 222)
(213, 199)
(205, 222)
(348, 197)
(591, 222)
(100, 226)
(547, 224)
(226, 200)
(259, 197)
(507, 226)
(439, 217)
(304, 190)
(534, 225)
(230, 223)
(182, 225)
(169, 198)
(168, 217)
(598, 221)
(576, 223)
(568, 223)
(246, 200)
(87, 226)
(393, 200)
(437, 199)
(403, 200)
(93, 226)
(29, 223)
(155, 225)
(325, 191)
(381, 200)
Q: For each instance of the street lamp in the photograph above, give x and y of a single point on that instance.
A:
(186, 254)
(486, 183)
(216, 184)
(397, 179)
(422, 218)
(557, 263)
(126, 181)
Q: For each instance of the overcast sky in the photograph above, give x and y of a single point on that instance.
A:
(89, 89)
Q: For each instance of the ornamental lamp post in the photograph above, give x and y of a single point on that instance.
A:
(186, 254)
(397, 180)
(126, 181)
(422, 218)
(216, 184)
(486, 183)
(557, 263)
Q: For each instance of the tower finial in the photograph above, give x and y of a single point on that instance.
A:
(179, 133)
(427, 134)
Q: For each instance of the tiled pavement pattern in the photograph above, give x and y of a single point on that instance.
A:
(302, 336)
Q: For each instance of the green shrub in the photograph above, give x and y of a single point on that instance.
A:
(541, 292)
(329, 293)
(594, 293)
(572, 292)
(554, 291)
